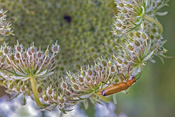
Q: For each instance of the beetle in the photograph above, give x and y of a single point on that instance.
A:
(118, 87)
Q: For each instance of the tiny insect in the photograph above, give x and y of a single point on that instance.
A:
(119, 86)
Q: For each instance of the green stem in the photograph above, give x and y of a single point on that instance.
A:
(35, 92)
(147, 17)
(1, 83)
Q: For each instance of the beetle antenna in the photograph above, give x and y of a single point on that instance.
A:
(124, 76)
(128, 69)
(139, 77)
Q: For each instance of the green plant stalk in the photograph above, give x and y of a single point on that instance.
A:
(1, 83)
(147, 17)
(35, 92)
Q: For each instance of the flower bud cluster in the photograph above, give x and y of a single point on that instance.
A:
(5, 29)
(75, 88)
(139, 31)
(53, 92)
(18, 65)
(131, 14)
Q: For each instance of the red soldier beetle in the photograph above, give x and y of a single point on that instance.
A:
(119, 86)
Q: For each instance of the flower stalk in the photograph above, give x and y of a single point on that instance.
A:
(151, 19)
(35, 92)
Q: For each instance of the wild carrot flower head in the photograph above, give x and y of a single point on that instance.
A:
(18, 65)
(23, 63)
(138, 37)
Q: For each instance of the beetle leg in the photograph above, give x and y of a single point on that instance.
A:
(128, 69)
(105, 83)
(123, 76)
(127, 79)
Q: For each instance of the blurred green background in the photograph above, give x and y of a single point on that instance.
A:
(152, 96)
